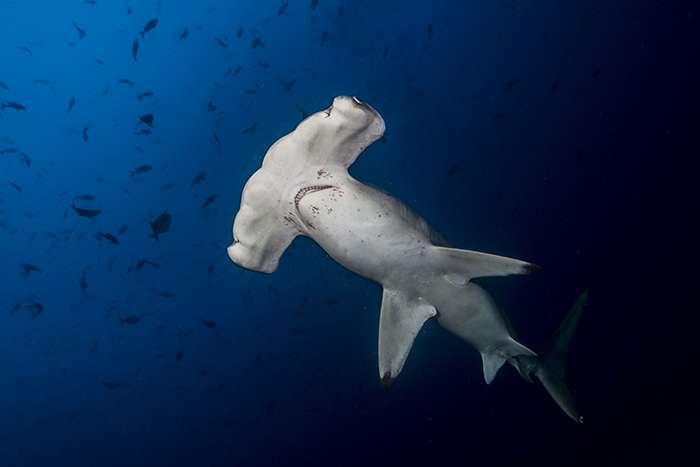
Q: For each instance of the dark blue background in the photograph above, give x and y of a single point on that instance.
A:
(606, 195)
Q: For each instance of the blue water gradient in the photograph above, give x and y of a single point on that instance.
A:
(562, 133)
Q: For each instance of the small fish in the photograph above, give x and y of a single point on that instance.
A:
(37, 306)
(81, 32)
(83, 283)
(99, 62)
(129, 320)
(303, 112)
(85, 137)
(221, 43)
(128, 10)
(596, 72)
(89, 2)
(167, 187)
(221, 386)
(497, 117)
(209, 201)
(412, 91)
(150, 25)
(430, 30)
(312, 20)
(104, 93)
(239, 33)
(384, 54)
(147, 119)
(140, 263)
(453, 170)
(264, 65)
(252, 129)
(198, 178)
(593, 16)
(126, 81)
(161, 224)
(16, 187)
(184, 34)
(282, 9)
(138, 148)
(555, 85)
(178, 357)
(257, 42)
(216, 138)
(3, 85)
(29, 268)
(71, 103)
(530, 146)
(324, 36)
(144, 94)
(340, 11)
(140, 170)
(110, 385)
(89, 213)
(209, 324)
(110, 237)
(288, 86)
(210, 107)
(26, 50)
(12, 105)
(122, 229)
(313, 4)
(210, 271)
(201, 373)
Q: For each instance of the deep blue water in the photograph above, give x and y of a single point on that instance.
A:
(563, 133)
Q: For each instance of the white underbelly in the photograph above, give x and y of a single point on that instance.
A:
(366, 230)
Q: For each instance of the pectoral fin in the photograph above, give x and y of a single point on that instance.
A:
(401, 319)
(459, 266)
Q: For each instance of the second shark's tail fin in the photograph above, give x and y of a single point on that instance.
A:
(552, 355)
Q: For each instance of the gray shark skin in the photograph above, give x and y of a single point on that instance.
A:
(303, 188)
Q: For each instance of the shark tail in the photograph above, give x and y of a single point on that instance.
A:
(552, 354)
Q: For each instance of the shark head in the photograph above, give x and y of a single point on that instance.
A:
(329, 140)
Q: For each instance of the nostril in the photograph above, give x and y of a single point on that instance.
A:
(357, 99)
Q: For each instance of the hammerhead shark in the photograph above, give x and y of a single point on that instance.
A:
(303, 188)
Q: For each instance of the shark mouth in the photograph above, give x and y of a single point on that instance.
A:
(309, 189)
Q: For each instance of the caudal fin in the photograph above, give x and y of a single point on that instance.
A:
(552, 354)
